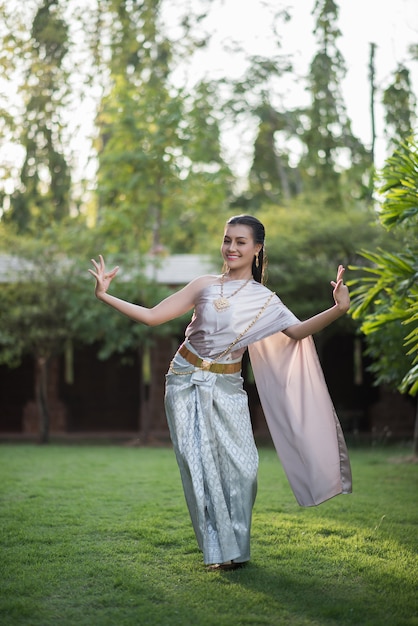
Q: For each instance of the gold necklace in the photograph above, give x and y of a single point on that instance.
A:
(222, 303)
(205, 363)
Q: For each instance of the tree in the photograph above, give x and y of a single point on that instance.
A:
(256, 97)
(372, 78)
(48, 304)
(159, 150)
(305, 149)
(43, 192)
(159, 156)
(399, 102)
(386, 295)
(34, 313)
(272, 176)
(331, 147)
(305, 246)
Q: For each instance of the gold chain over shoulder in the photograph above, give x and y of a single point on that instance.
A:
(205, 365)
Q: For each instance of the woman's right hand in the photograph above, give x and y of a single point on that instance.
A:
(103, 278)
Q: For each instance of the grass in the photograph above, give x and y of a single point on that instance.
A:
(100, 536)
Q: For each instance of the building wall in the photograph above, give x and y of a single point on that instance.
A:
(104, 395)
(113, 396)
(16, 389)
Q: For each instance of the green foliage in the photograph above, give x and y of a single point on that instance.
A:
(388, 278)
(114, 333)
(386, 350)
(48, 299)
(162, 183)
(33, 318)
(399, 188)
(42, 193)
(399, 102)
(327, 135)
(309, 149)
(386, 295)
(271, 176)
(159, 154)
(306, 242)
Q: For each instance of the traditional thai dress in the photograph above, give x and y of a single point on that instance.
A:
(210, 424)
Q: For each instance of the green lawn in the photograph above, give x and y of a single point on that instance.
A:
(100, 535)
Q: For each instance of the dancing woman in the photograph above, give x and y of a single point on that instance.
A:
(207, 407)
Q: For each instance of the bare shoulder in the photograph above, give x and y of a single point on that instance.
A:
(197, 284)
(207, 279)
(181, 301)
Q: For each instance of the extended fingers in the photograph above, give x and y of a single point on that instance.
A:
(336, 284)
(96, 265)
(112, 273)
(99, 265)
(340, 277)
(99, 271)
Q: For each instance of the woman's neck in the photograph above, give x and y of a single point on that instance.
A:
(237, 275)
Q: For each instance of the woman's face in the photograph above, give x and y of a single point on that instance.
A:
(238, 247)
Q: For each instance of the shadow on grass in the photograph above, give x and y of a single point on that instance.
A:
(262, 593)
(331, 575)
(356, 595)
(147, 575)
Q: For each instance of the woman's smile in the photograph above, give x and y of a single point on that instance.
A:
(238, 249)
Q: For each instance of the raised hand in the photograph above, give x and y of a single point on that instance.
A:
(103, 277)
(340, 292)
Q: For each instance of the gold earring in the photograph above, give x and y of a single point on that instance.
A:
(257, 262)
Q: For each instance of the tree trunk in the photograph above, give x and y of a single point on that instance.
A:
(144, 412)
(42, 399)
(283, 177)
(372, 73)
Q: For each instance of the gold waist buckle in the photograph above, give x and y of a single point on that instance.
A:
(209, 366)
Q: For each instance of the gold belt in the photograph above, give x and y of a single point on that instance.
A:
(209, 366)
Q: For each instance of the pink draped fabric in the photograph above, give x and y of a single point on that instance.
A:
(301, 417)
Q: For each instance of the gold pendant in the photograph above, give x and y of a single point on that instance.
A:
(221, 304)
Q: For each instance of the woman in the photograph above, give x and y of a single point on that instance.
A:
(207, 408)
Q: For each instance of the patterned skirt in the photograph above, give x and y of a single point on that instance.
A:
(211, 431)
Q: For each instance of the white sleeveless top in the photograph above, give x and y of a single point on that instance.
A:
(211, 331)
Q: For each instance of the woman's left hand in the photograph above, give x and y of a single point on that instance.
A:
(340, 293)
(103, 277)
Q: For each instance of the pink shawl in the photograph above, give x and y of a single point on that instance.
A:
(301, 417)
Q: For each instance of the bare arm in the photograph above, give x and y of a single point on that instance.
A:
(174, 306)
(321, 320)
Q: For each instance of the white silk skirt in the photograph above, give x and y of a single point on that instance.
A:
(210, 427)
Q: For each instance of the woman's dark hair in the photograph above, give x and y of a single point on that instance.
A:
(258, 236)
